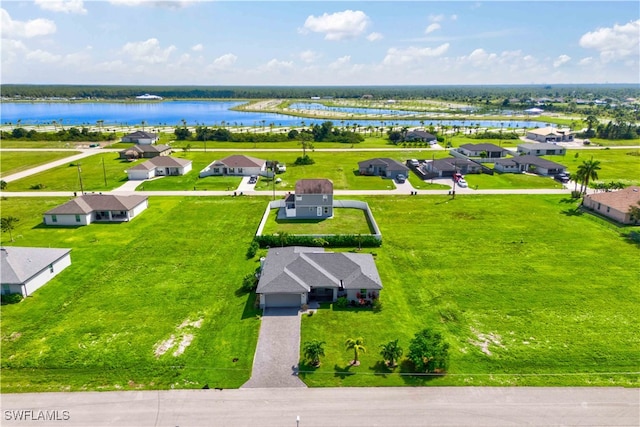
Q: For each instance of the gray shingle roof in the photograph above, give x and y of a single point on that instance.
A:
(537, 161)
(97, 202)
(240, 161)
(540, 146)
(147, 148)
(482, 147)
(314, 186)
(298, 269)
(161, 161)
(19, 264)
(391, 164)
(140, 134)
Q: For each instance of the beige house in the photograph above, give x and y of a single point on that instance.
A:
(550, 134)
(615, 204)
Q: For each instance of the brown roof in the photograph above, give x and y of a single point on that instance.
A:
(148, 148)
(314, 186)
(620, 200)
(240, 161)
(482, 147)
(97, 202)
(161, 161)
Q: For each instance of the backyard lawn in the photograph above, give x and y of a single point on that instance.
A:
(510, 180)
(16, 161)
(616, 164)
(344, 221)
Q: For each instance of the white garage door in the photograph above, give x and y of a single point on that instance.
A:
(283, 300)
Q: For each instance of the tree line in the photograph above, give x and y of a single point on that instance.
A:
(70, 134)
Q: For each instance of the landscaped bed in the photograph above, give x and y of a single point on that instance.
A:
(344, 221)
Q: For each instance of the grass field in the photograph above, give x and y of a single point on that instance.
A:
(511, 274)
(17, 161)
(510, 180)
(129, 288)
(517, 270)
(616, 165)
(344, 221)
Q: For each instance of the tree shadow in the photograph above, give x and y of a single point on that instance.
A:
(342, 372)
(568, 200)
(381, 369)
(305, 369)
(251, 309)
(573, 212)
(411, 377)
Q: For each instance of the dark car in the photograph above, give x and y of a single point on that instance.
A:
(562, 177)
(401, 178)
(253, 179)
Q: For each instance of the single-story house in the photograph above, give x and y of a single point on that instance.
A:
(550, 134)
(382, 166)
(145, 151)
(313, 198)
(24, 270)
(84, 210)
(542, 149)
(160, 166)
(615, 204)
(535, 111)
(141, 137)
(447, 167)
(529, 163)
(235, 165)
(420, 135)
(492, 151)
(294, 275)
(506, 166)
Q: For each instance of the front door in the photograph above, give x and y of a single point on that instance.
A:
(319, 210)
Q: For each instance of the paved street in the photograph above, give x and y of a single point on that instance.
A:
(327, 407)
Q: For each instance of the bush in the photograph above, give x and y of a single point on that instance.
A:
(11, 299)
(253, 249)
(377, 305)
(335, 241)
(249, 283)
(429, 352)
(304, 160)
(342, 302)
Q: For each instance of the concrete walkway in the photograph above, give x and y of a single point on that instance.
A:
(50, 165)
(275, 364)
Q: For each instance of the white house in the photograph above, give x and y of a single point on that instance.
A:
(235, 165)
(141, 137)
(84, 210)
(541, 149)
(24, 270)
(160, 166)
(550, 134)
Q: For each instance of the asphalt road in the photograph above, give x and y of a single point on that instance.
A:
(400, 406)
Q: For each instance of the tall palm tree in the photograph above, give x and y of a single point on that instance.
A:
(588, 171)
(313, 350)
(391, 352)
(357, 345)
(8, 225)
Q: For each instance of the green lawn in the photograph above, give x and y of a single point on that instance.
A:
(67, 178)
(129, 288)
(16, 161)
(513, 273)
(4, 143)
(510, 181)
(616, 165)
(615, 142)
(344, 221)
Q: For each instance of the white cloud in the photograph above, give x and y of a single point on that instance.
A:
(562, 59)
(397, 56)
(617, 42)
(197, 48)
(309, 56)
(43, 56)
(68, 6)
(148, 51)
(340, 62)
(172, 4)
(454, 17)
(337, 26)
(436, 18)
(432, 27)
(275, 65)
(224, 61)
(586, 61)
(375, 37)
(28, 29)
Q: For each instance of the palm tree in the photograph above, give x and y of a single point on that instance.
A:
(588, 171)
(592, 122)
(357, 345)
(313, 350)
(8, 225)
(391, 352)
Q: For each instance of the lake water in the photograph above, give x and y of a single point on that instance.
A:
(171, 113)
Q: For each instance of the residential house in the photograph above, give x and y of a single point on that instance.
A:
(382, 166)
(506, 166)
(447, 167)
(84, 210)
(491, 151)
(313, 198)
(615, 204)
(420, 135)
(160, 166)
(235, 165)
(542, 149)
(24, 270)
(535, 164)
(141, 137)
(550, 134)
(293, 276)
(139, 151)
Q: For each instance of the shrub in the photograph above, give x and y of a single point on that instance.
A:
(38, 186)
(249, 283)
(304, 160)
(429, 352)
(11, 299)
(377, 305)
(342, 302)
(335, 241)
(253, 249)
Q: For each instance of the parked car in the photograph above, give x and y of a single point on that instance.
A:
(562, 177)
(457, 176)
(462, 183)
(401, 178)
(253, 179)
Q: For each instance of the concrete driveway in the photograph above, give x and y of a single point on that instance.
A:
(275, 364)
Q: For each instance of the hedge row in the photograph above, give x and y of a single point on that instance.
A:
(335, 241)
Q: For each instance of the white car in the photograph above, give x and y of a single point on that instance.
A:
(462, 183)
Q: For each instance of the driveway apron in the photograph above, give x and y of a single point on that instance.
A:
(275, 364)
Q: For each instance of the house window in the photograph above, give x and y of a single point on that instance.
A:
(239, 170)
(326, 210)
(54, 218)
(216, 170)
(598, 206)
(77, 218)
(298, 198)
(608, 209)
(325, 197)
(6, 289)
(50, 268)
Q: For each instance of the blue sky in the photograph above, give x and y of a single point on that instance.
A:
(319, 43)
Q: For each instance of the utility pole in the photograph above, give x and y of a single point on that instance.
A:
(80, 178)
(104, 172)
(273, 178)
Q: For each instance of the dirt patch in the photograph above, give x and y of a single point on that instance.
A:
(164, 346)
(484, 340)
(193, 324)
(186, 341)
